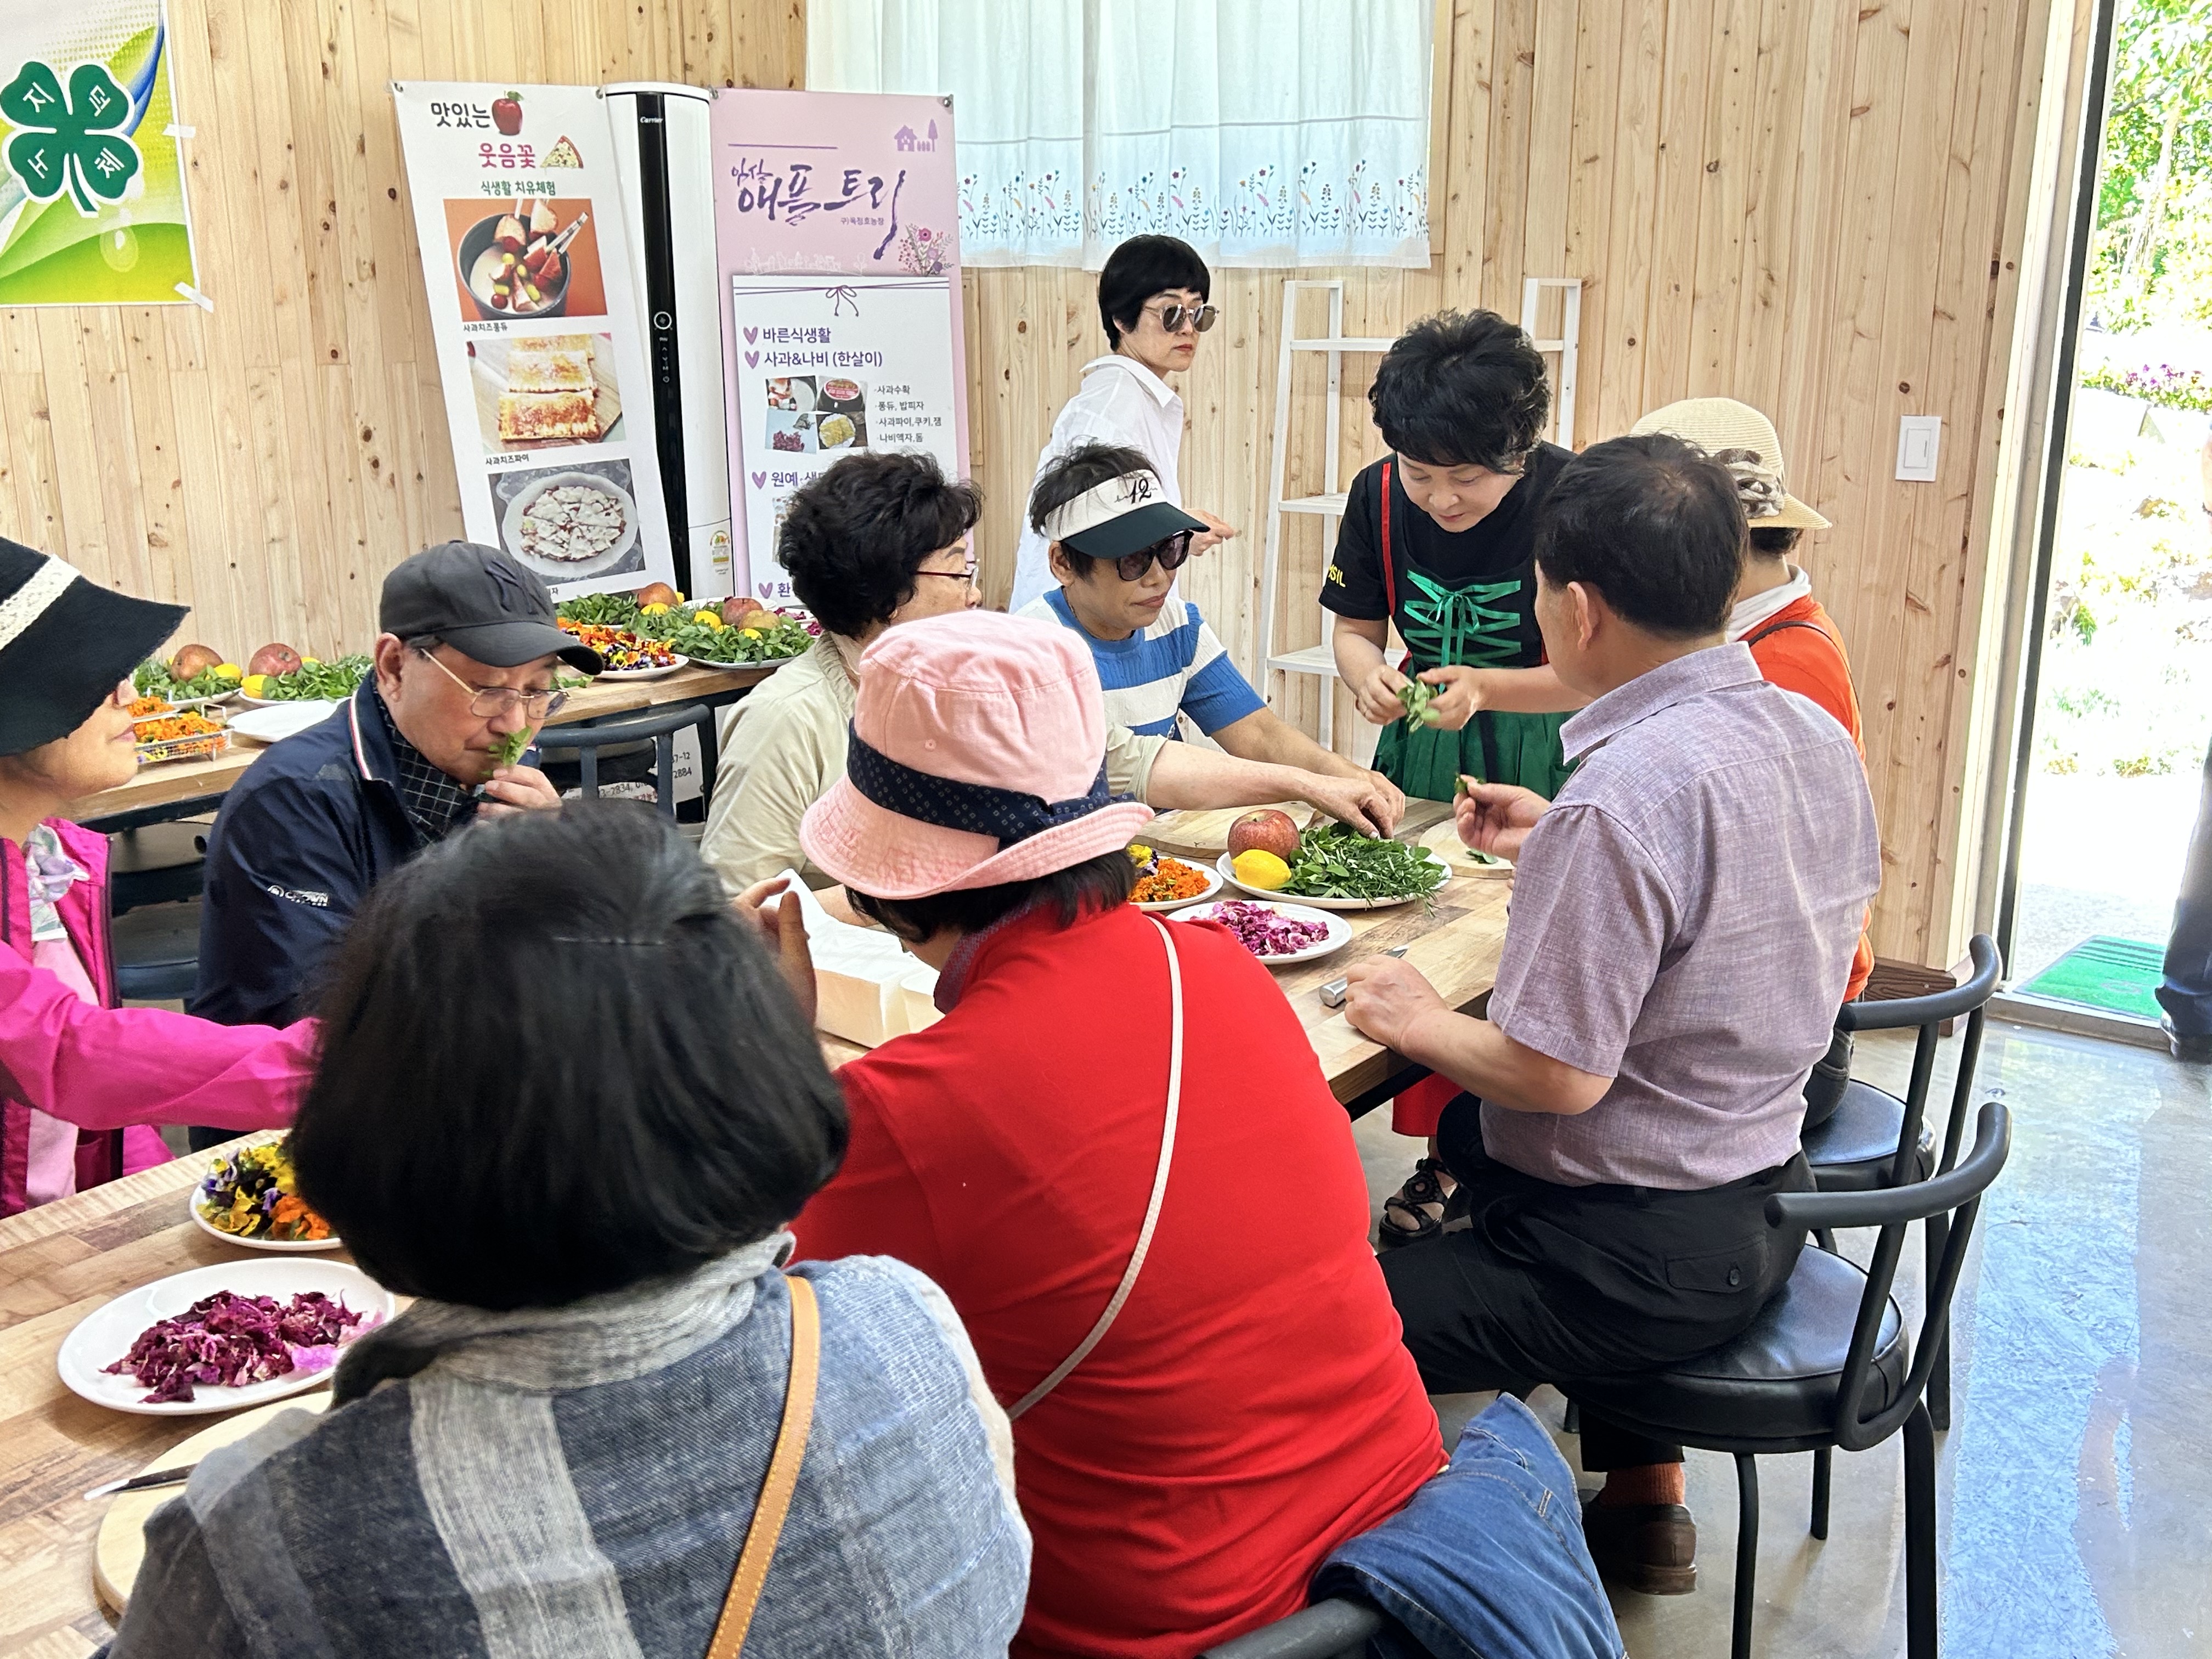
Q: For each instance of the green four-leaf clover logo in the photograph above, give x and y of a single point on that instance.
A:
(74, 141)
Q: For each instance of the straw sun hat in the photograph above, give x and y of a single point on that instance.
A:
(976, 757)
(1743, 441)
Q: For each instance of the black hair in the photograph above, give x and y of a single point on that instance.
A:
(1653, 525)
(1067, 477)
(1461, 388)
(554, 1063)
(1775, 541)
(1097, 884)
(1139, 269)
(854, 538)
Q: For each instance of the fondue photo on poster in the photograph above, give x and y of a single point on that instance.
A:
(524, 257)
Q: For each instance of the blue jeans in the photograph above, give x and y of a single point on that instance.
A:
(2187, 995)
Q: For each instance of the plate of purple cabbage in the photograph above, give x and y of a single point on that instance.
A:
(1277, 933)
(217, 1339)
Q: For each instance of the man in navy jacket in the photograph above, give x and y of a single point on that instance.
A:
(465, 660)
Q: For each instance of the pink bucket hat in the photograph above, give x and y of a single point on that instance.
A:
(976, 757)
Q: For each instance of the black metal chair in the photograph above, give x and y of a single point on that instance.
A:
(157, 951)
(155, 863)
(1828, 1364)
(1336, 1629)
(1862, 1147)
(588, 743)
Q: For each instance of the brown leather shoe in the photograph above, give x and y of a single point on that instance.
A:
(1648, 1548)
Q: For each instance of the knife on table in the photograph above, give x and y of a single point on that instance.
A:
(1333, 992)
(141, 1482)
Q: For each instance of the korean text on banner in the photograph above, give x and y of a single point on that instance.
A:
(92, 188)
(537, 329)
(857, 195)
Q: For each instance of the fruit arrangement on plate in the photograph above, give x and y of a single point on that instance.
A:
(1326, 865)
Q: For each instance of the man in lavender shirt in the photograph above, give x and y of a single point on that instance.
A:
(1683, 923)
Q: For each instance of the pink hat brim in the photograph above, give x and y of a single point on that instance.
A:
(886, 854)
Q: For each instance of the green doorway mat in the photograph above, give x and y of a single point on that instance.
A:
(2116, 975)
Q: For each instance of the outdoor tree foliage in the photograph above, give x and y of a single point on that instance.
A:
(2153, 256)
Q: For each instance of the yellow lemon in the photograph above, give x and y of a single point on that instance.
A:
(229, 671)
(310, 662)
(653, 611)
(1260, 869)
(679, 598)
(708, 619)
(255, 686)
(751, 633)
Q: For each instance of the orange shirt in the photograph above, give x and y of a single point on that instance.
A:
(1799, 649)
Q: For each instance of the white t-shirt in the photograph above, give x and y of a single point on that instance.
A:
(1121, 402)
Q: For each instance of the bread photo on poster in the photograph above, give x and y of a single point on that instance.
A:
(525, 256)
(544, 391)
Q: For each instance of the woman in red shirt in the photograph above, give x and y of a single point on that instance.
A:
(1250, 1404)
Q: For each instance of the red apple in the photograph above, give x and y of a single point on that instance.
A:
(508, 234)
(1268, 831)
(736, 610)
(655, 593)
(274, 659)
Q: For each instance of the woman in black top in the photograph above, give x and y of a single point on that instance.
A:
(1460, 399)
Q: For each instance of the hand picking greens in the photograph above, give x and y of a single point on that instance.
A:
(1337, 863)
(1417, 696)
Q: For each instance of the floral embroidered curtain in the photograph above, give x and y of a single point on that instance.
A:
(1263, 133)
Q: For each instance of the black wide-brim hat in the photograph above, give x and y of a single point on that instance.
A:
(65, 644)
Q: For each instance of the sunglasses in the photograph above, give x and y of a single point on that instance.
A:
(1173, 317)
(1170, 554)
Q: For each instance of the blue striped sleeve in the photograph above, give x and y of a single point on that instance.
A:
(1216, 695)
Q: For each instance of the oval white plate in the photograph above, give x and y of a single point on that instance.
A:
(644, 673)
(1339, 930)
(104, 1336)
(273, 722)
(1228, 869)
(1212, 886)
(577, 570)
(274, 1246)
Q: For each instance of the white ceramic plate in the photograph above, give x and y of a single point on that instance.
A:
(103, 1337)
(275, 1246)
(1339, 930)
(558, 570)
(273, 722)
(1228, 869)
(1212, 886)
(645, 673)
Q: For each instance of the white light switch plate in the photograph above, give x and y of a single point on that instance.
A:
(1919, 437)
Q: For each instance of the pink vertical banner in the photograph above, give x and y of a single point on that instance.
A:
(824, 185)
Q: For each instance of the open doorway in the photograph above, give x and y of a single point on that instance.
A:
(2122, 708)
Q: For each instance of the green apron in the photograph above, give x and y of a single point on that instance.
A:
(1477, 626)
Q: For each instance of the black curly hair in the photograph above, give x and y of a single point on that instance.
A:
(1462, 388)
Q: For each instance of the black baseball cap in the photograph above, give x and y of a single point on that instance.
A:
(482, 604)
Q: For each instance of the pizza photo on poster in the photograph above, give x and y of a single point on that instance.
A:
(544, 391)
(525, 256)
(573, 522)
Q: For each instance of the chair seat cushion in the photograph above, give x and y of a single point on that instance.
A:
(1776, 1381)
(1850, 1152)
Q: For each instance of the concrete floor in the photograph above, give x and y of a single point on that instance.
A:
(2076, 1484)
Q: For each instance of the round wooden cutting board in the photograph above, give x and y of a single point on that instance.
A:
(122, 1544)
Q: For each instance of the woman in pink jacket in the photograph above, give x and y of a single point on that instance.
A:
(76, 1073)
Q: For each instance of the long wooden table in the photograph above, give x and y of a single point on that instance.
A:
(177, 781)
(59, 1262)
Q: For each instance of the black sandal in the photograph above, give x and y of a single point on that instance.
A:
(1422, 1190)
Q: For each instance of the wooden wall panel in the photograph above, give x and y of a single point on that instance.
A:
(1809, 206)
(266, 462)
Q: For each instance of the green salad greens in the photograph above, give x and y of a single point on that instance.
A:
(1337, 863)
(781, 637)
(601, 611)
(1417, 696)
(152, 679)
(510, 747)
(313, 682)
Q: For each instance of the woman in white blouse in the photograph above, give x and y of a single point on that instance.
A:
(1153, 301)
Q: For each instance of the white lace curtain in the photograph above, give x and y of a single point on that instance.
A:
(1263, 133)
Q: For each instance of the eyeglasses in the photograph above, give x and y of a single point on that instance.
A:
(966, 576)
(1173, 317)
(491, 702)
(1171, 553)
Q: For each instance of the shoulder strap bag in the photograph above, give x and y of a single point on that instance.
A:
(751, 1576)
(1059, 1373)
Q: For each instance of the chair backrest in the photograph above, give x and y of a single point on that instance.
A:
(1929, 1013)
(1957, 1193)
(1334, 1629)
(660, 727)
